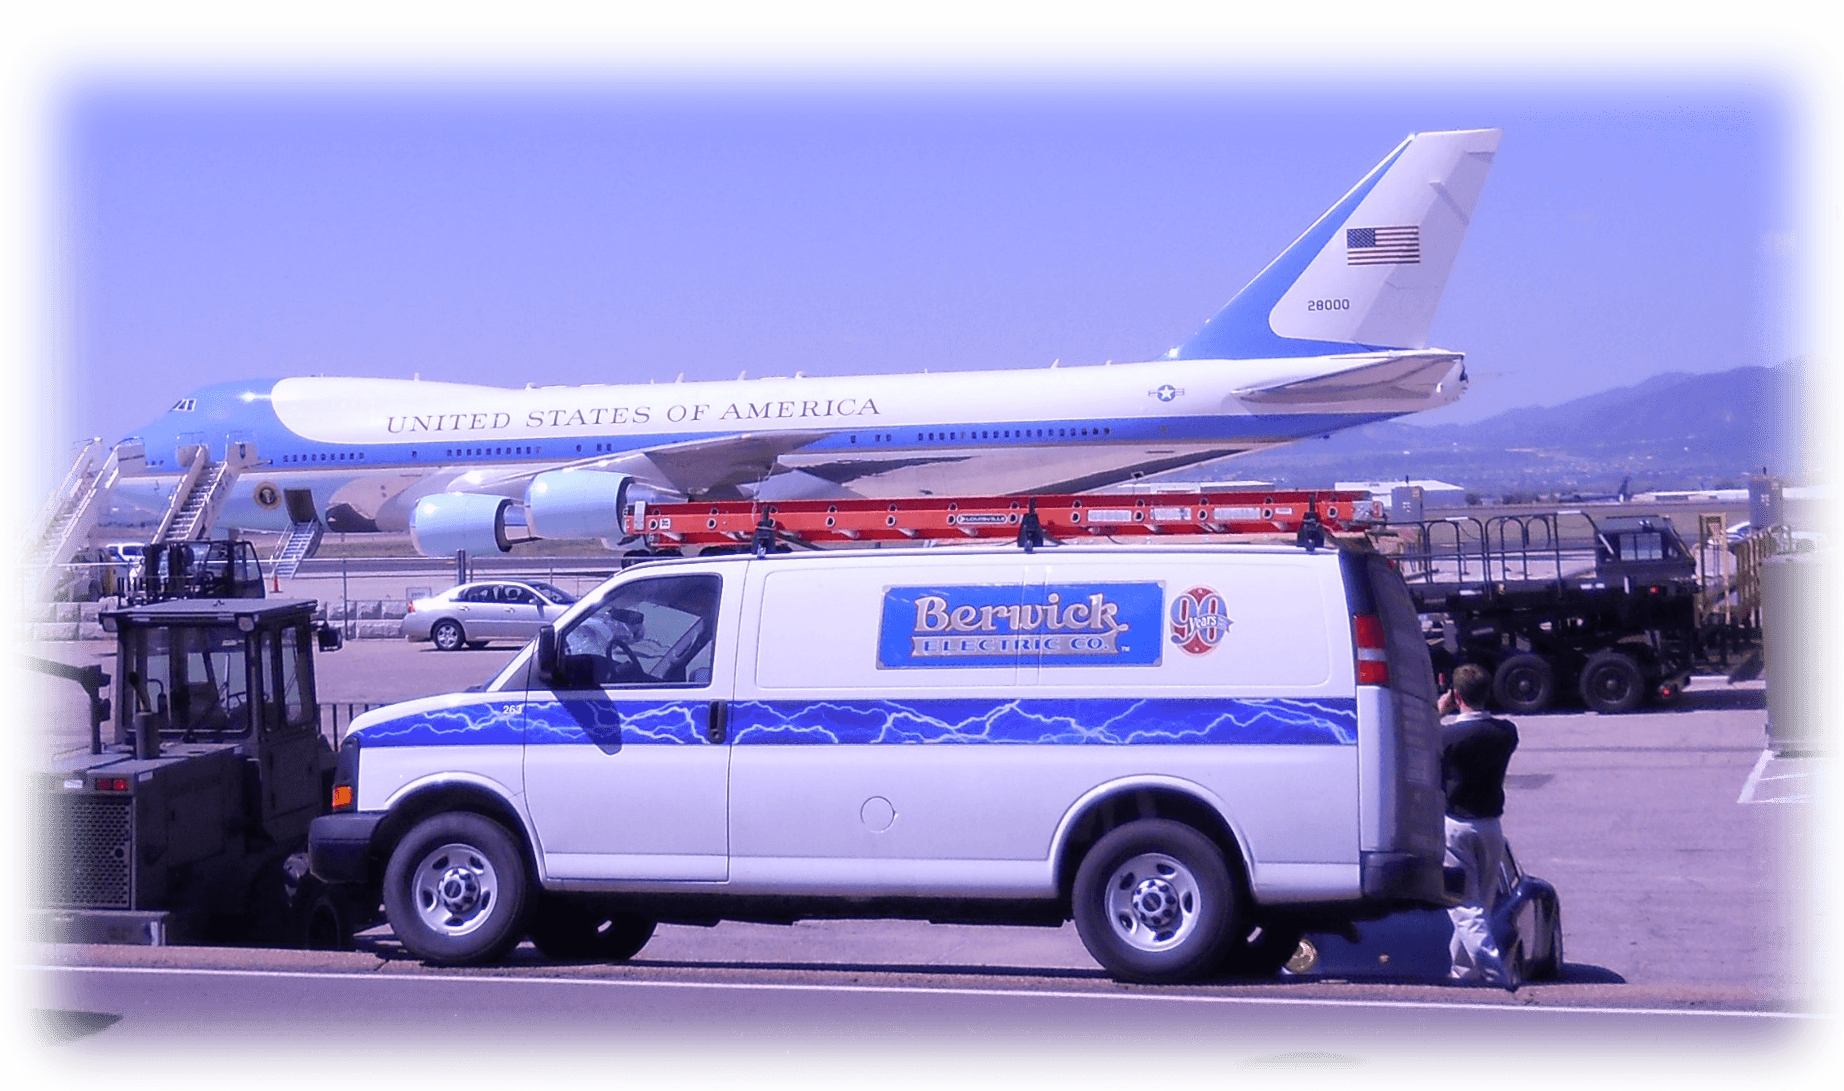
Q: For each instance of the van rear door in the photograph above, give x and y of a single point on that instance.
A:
(1399, 735)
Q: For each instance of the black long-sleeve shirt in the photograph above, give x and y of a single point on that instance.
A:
(1475, 750)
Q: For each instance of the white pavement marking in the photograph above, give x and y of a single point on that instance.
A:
(922, 990)
(1756, 779)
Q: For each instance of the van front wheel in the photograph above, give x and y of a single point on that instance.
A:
(1154, 902)
(455, 890)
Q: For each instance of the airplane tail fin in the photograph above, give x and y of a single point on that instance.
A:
(1369, 273)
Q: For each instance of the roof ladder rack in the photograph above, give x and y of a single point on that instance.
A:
(1029, 520)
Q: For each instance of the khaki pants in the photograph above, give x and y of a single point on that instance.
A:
(1477, 847)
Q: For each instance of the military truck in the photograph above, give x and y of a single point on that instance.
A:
(185, 818)
(1560, 605)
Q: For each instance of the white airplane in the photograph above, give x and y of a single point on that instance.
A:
(1332, 334)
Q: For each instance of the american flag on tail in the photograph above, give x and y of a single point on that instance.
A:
(1382, 245)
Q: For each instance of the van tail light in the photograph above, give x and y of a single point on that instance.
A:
(1372, 658)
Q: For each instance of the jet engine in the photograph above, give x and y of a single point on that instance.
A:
(445, 523)
(578, 503)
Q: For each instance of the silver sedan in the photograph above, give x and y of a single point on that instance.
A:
(473, 614)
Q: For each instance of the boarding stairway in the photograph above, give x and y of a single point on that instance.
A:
(202, 491)
(296, 546)
(64, 523)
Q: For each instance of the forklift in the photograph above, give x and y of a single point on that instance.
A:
(184, 820)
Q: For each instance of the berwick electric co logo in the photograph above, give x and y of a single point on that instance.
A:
(1007, 625)
(1199, 620)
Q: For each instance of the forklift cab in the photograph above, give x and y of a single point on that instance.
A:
(221, 569)
(215, 671)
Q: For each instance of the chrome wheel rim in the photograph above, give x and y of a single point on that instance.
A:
(455, 889)
(1153, 902)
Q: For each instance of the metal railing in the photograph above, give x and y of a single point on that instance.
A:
(1499, 549)
(337, 716)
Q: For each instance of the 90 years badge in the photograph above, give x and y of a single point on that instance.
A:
(1199, 620)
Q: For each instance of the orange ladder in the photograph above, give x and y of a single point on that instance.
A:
(845, 522)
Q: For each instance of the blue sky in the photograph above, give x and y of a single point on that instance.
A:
(518, 231)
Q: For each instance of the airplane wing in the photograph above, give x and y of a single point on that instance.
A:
(1400, 375)
(714, 467)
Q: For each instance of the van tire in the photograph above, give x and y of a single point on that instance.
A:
(1612, 682)
(1154, 902)
(567, 931)
(1524, 682)
(455, 890)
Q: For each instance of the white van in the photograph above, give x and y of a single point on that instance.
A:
(1195, 752)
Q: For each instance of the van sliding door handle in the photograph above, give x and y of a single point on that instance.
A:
(717, 728)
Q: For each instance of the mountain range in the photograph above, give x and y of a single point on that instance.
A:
(1672, 431)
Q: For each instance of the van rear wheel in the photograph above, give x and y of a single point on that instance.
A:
(1154, 902)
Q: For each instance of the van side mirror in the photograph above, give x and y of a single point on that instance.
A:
(327, 638)
(544, 655)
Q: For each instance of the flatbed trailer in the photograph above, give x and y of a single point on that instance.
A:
(1562, 604)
